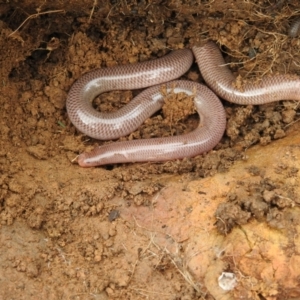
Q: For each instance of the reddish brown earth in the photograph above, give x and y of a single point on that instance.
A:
(145, 231)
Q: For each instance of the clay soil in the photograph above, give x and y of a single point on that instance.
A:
(145, 230)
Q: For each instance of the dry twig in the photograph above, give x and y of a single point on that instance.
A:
(35, 16)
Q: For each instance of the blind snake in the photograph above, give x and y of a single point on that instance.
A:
(153, 73)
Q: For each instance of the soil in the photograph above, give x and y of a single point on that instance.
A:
(137, 231)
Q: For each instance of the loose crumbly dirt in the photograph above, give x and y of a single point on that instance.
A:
(73, 233)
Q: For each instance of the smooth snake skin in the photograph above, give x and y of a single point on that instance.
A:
(212, 115)
(294, 29)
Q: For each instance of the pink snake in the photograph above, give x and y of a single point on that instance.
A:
(155, 72)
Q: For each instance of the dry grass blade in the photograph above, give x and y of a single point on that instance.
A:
(35, 16)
